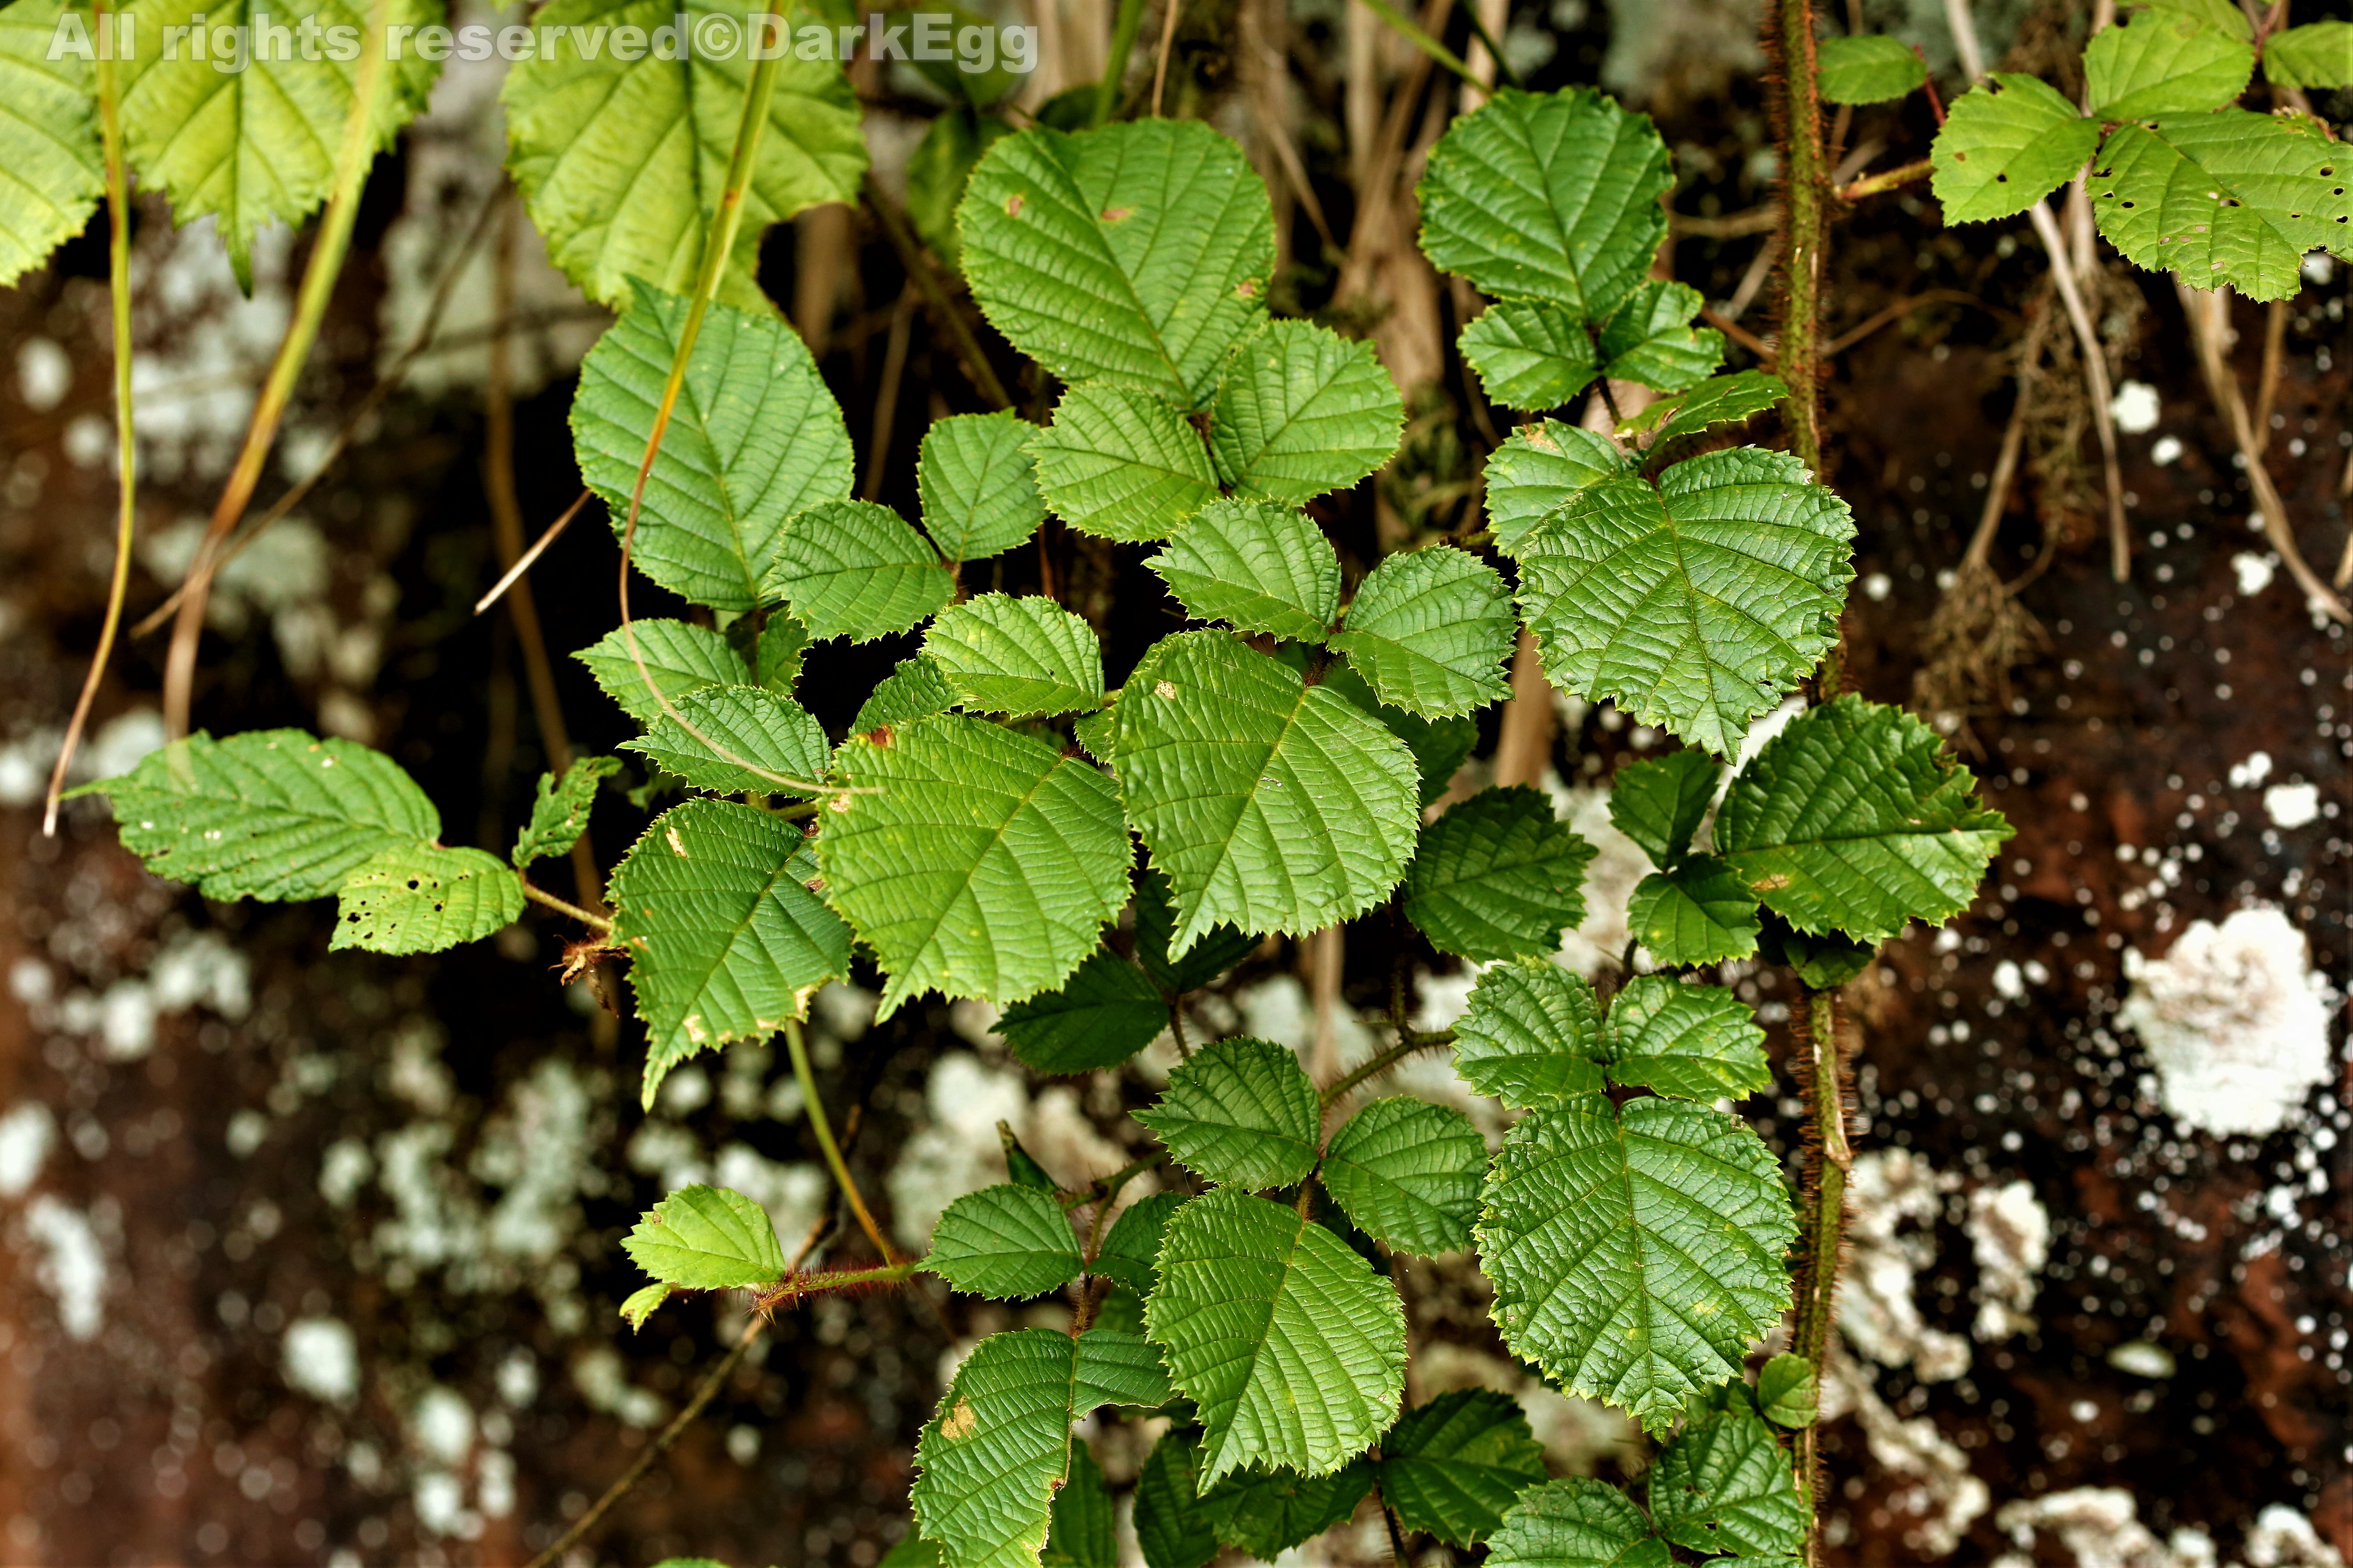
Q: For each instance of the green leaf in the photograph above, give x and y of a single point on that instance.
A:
(1257, 565)
(559, 812)
(1021, 1167)
(680, 657)
(1081, 1534)
(2156, 62)
(1293, 1351)
(974, 476)
(707, 1238)
(853, 569)
(1636, 1251)
(622, 161)
(914, 689)
(1575, 1524)
(1868, 69)
(1440, 746)
(270, 814)
(1170, 1524)
(913, 1552)
(1019, 656)
(1532, 1031)
(1104, 1013)
(1787, 1391)
(1650, 338)
(777, 651)
(992, 1458)
(1551, 197)
(1693, 602)
(725, 940)
(1497, 877)
(425, 899)
(2218, 14)
(1132, 1248)
(2008, 142)
(1451, 1466)
(982, 863)
(754, 437)
(1530, 354)
(1536, 472)
(1720, 400)
(1407, 1174)
(1210, 956)
(1660, 804)
(1270, 804)
(1240, 1111)
(936, 171)
(1694, 1042)
(1301, 411)
(1265, 1513)
(1698, 913)
(2316, 54)
(1724, 1485)
(1008, 1241)
(1121, 463)
(1822, 962)
(2228, 198)
(1139, 251)
(1430, 630)
(781, 741)
(49, 137)
(1852, 819)
(641, 1304)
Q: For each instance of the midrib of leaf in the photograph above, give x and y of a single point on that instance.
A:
(1265, 1334)
(1649, 1299)
(1110, 259)
(740, 927)
(1250, 804)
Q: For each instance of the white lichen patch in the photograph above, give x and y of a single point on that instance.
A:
(320, 1357)
(26, 1134)
(1929, 1484)
(2099, 1527)
(2009, 1236)
(2235, 1021)
(1598, 942)
(1897, 1196)
(71, 1267)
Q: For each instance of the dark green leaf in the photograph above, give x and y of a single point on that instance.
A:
(1266, 1513)
(1575, 1524)
(1008, 1241)
(1699, 913)
(1660, 804)
(1533, 1031)
(1451, 1466)
(1724, 1485)
(1695, 1042)
(1241, 1111)
(1530, 354)
(1497, 876)
(1103, 1015)
(1407, 1172)
(1170, 1524)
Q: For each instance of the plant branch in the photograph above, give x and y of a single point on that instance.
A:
(1176, 8)
(2095, 374)
(1408, 1042)
(805, 1076)
(523, 562)
(1814, 1033)
(1104, 1188)
(1798, 109)
(1124, 32)
(539, 895)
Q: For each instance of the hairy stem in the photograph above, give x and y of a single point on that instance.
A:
(1408, 1042)
(1822, 1225)
(814, 1104)
(541, 896)
(1790, 23)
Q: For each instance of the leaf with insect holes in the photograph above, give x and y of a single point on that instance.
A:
(2007, 143)
(1650, 338)
(1407, 1172)
(1530, 354)
(1139, 251)
(1104, 1013)
(1240, 1111)
(1264, 1513)
(1453, 1466)
(1537, 469)
(1547, 196)
(1019, 656)
(1258, 566)
(1577, 1523)
(1660, 803)
(1720, 400)
(1852, 819)
(914, 689)
(853, 569)
(1301, 410)
(753, 438)
(1121, 463)
(679, 657)
(1532, 1031)
(49, 137)
(1691, 1042)
(1636, 1251)
(1869, 68)
(707, 1238)
(1430, 630)
(1081, 1534)
(2316, 54)
(1697, 913)
(1280, 1334)
(744, 740)
(1695, 601)
(975, 861)
(2157, 62)
(725, 940)
(1724, 1485)
(973, 474)
(559, 812)
(1497, 876)
(425, 899)
(1007, 1242)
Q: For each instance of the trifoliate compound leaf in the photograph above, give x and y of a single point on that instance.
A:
(559, 812)
(1268, 804)
(1547, 196)
(1724, 1485)
(991, 1460)
(1302, 410)
(2161, 62)
(1720, 400)
(726, 939)
(707, 1238)
(1575, 1524)
(915, 689)
(1530, 354)
(1698, 913)
(1024, 656)
(1170, 1524)
(1121, 463)
(1258, 566)
(1407, 1172)
(1693, 1042)
(1103, 1013)
(422, 898)
(1132, 1248)
(49, 137)
(1535, 471)
(1430, 630)
(974, 476)
(1788, 1393)
(2228, 198)
(641, 1304)
(1140, 251)
(754, 437)
(1265, 1513)
(1280, 1333)
(1533, 1031)
(975, 861)
(2008, 142)
(1451, 1466)
(270, 814)
(679, 657)
(1006, 1241)
(1081, 1533)
(1241, 1111)
(1636, 1251)
(1498, 876)
(1852, 819)
(1661, 802)
(744, 740)
(2318, 54)
(1695, 602)
(853, 569)
(1440, 746)
(622, 161)
(1650, 338)
(1155, 921)
(1868, 69)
